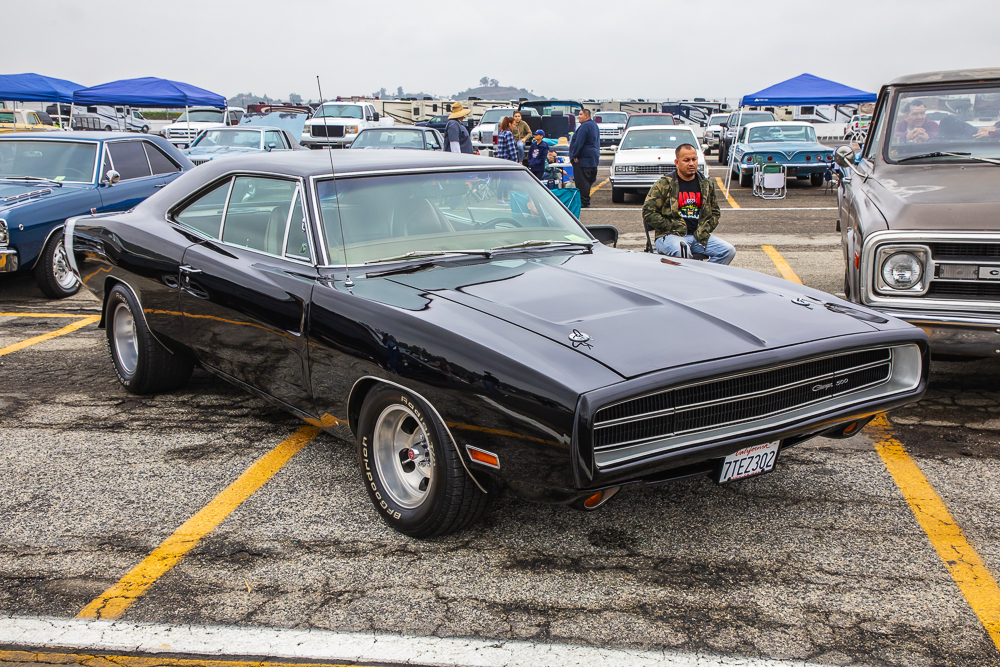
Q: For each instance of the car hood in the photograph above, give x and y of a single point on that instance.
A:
(11, 193)
(642, 313)
(953, 197)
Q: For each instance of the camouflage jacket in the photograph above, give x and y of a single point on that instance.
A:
(662, 214)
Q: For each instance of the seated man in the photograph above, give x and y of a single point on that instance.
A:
(681, 209)
(913, 127)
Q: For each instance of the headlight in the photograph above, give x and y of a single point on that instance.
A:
(4, 234)
(351, 129)
(625, 169)
(901, 269)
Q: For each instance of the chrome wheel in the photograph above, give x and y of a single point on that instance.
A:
(126, 340)
(61, 270)
(403, 456)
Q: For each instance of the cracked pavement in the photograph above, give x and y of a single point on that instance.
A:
(821, 560)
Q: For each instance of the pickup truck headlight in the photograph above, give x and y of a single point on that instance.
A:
(625, 169)
(901, 269)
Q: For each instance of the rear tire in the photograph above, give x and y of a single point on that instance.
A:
(411, 468)
(723, 154)
(815, 180)
(142, 364)
(746, 179)
(53, 272)
(107, 128)
(617, 195)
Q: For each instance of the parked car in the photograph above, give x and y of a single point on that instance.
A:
(411, 138)
(484, 133)
(108, 119)
(192, 122)
(46, 178)
(858, 125)
(732, 125)
(714, 130)
(436, 122)
(449, 313)
(647, 153)
(641, 119)
(228, 141)
(792, 144)
(920, 209)
(337, 124)
(23, 120)
(612, 126)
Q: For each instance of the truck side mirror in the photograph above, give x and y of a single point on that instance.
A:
(375, 116)
(113, 176)
(844, 157)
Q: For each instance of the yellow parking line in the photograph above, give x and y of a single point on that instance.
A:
(729, 197)
(89, 319)
(57, 658)
(599, 185)
(779, 262)
(114, 601)
(963, 563)
(40, 315)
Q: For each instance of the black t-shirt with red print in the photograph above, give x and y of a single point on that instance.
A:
(689, 202)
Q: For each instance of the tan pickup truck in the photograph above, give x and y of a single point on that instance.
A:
(23, 120)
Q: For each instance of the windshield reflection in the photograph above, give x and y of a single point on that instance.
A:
(65, 162)
(948, 120)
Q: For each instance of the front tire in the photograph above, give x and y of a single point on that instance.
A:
(617, 195)
(723, 154)
(411, 469)
(145, 129)
(142, 364)
(53, 272)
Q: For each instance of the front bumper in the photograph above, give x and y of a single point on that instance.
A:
(626, 181)
(610, 141)
(8, 260)
(959, 334)
(341, 142)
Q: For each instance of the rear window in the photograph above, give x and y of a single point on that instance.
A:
(205, 213)
(159, 161)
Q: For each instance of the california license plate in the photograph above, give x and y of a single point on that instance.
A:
(750, 461)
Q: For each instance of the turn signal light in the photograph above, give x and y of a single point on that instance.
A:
(851, 429)
(594, 500)
(482, 456)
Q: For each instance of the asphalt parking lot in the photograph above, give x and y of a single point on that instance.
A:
(841, 556)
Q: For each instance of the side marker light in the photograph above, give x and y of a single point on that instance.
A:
(482, 456)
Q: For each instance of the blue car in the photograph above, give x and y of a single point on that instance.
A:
(792, 144)
(48, 177)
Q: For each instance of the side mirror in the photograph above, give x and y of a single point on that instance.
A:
(271, 146)
(844, 157)
(375, 116)
(113, 176)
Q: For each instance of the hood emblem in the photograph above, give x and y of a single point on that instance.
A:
(799, 301)
(579, 338)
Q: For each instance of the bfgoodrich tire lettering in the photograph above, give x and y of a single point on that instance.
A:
(401, 443)
(142, 364)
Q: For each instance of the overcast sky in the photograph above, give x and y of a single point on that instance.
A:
(607, 49)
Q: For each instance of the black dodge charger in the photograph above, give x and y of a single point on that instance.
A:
(472, 334)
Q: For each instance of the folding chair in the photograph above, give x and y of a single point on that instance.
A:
(686, 251)
(768, 179)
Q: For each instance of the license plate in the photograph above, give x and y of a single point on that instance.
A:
(748, 462)
(792, 171)
(989, 272)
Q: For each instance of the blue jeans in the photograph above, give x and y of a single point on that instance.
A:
(718, 251)
(520, 151)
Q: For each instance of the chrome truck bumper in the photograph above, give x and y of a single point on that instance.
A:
(955, 333)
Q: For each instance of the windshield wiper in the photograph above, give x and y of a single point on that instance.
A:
(970, 156)
(540, 244)
(417, 254)
(31, 178)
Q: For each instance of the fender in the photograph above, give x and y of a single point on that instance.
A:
(437, 414)
(109, 284)
(57, 228)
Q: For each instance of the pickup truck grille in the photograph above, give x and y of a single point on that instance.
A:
(611, 132)
(733, 400)
(321, 130)
(973, 290)
(966, 251)
(655, 169)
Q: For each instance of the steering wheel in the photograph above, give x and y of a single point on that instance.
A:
(492, 224)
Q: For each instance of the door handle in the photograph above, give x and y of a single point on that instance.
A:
(161, 185)
(190, 270)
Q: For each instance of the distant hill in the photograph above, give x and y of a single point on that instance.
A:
(496, 93)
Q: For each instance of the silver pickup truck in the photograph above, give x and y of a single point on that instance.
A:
(920, 209)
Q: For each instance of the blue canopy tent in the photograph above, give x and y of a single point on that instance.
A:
(806, 89)
(30, 87)
(149, 92)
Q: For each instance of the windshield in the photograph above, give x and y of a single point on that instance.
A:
(948, 120)
(338, 111)
(236, 138)
(747, 117)
(650, 120)
(496, 115)
(389, 216)
(546, 108)
(409, 139)
(201, 116)
(636, 139)
(781, 132)
(67, 162)
(718, 118)
(611, 117)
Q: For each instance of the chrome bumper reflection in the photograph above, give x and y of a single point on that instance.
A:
(8, 260)
(960, 335)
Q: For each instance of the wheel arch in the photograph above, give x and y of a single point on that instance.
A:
(109, 284)
(45, 243)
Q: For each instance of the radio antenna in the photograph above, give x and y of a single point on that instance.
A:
(348, 283)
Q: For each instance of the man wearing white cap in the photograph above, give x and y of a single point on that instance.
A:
(456, 135)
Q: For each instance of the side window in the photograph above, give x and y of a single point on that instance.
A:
(432, 141)
(158, 160)
(33, 119)
(368, 112)
(130, 159)
(205, 213)
(258, 213)
(297, 244)
(272, 137)
(873, 140)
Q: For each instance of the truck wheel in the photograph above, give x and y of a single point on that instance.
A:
(617, 195)
(411, 468)
(142, 364)
(815, 180)
(52, 271)
(145, 129)
(107, 128)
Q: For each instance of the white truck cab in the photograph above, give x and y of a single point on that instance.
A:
(192, 122)
(337, 124)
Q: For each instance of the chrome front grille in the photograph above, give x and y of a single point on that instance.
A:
(966, 252)
(739, 399)
(610, 132)
(655, 169)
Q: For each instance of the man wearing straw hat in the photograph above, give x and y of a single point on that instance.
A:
(456, 135)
